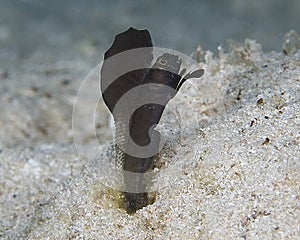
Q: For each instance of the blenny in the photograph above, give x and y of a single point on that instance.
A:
(136, 92)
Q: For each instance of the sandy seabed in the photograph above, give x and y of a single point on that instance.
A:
(232, 173)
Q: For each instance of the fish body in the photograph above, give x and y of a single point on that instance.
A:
(158, 82)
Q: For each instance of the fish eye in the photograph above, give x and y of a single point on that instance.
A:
(163, 62)
(155, 87)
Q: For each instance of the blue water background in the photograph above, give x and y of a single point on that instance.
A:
(61, 29)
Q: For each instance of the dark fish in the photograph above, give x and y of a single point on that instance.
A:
(154, 80)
